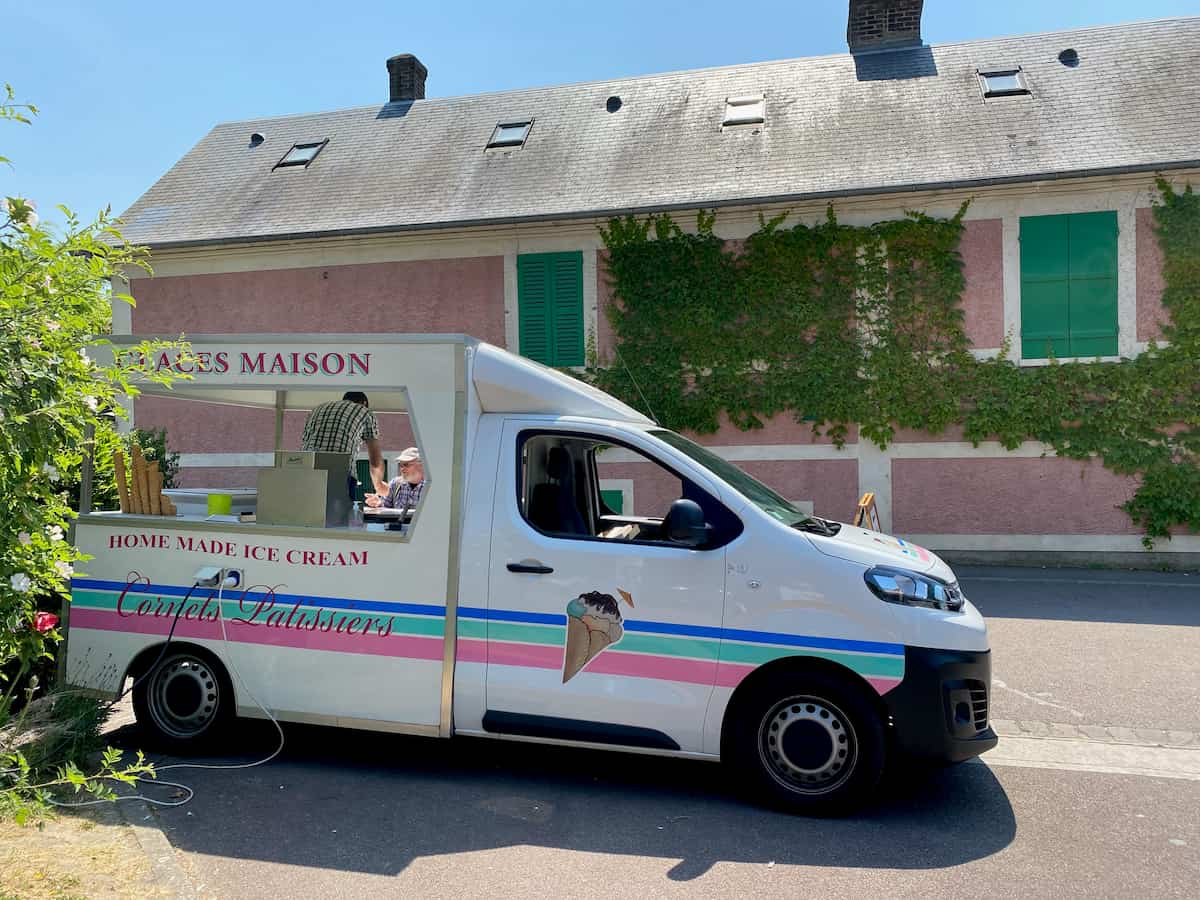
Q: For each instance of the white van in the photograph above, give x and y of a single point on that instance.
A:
(572, 574)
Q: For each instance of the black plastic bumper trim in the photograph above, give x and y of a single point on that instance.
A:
(552, 727)
(923, 721)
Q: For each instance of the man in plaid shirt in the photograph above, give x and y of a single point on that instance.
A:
(340, 425)
(405, 489)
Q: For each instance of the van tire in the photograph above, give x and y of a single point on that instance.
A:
(185, 703)
(808, 743)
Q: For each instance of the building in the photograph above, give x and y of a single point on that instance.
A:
(424, 214)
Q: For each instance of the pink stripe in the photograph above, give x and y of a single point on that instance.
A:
(399, 645)
(537, 656)
(642, 665)
(471, 650)
(110, 620)
(731, 674)
(883, 685)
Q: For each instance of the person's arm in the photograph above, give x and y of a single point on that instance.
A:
(370, 437)
(375, 464)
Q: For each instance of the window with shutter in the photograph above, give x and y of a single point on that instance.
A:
(1069, 285)
(550, 307)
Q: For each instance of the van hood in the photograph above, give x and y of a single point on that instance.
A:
(873, 548)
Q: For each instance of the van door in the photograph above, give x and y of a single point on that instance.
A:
(598, 628)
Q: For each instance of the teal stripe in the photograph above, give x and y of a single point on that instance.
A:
(883, 666)
(526, 634)
(663, 646)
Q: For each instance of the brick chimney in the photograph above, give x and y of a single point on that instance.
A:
(883, 25)
(406, 78)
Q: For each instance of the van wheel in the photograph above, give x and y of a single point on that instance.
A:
(184, 702)
(810, 744)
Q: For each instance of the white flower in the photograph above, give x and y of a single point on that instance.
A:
(20, 582)
(92, 403)
(50, 472)
(55, 532)
(24, 538)
(64, 569)
(52, 325)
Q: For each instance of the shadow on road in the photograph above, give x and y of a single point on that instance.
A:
(367, 802)
(1083, 595)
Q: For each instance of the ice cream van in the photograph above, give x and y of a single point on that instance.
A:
(572, 574)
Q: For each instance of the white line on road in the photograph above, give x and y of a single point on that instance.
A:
(1081, 581)
(1041, 701)
(1095, 756)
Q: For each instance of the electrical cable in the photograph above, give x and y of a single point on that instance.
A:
(232, 766)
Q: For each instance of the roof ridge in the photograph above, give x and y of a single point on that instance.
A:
(701, 69)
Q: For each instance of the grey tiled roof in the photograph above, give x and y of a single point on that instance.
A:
(835, 125)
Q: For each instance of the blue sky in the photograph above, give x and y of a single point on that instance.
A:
(125, 89)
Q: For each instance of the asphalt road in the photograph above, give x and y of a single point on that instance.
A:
(349, 814)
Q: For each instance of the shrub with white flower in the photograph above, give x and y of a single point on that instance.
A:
(55, 303)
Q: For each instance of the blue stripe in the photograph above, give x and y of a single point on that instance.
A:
(170, 590)
(511, 615)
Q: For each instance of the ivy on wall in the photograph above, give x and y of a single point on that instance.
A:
(846, 325)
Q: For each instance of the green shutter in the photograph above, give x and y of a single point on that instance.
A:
(533, 308)
(1093, 266)
(550, 307)
(614, 500)
(1069, 285)
(1045, 294)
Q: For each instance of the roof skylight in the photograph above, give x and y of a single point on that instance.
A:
(748, 110)
(1003, 82)
(301, 154)
(510, 134)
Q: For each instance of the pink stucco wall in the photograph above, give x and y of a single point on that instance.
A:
(1008, 496)
(1150, 311)
(195, 427)
(447, 295)
(982, 249)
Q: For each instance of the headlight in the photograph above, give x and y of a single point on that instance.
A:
(913, 589)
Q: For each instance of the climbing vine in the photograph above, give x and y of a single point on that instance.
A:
(845, 325)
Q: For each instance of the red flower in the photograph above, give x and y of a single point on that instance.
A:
(44, 621)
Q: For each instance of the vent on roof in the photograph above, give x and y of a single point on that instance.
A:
(509, 135)
(256, 138)
(613, 103)
(748, 110)
(301, 155)
(1069, 58)
(1003, 82)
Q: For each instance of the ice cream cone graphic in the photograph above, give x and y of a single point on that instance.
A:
(593, 623)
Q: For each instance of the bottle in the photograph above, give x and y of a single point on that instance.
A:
(356, 515)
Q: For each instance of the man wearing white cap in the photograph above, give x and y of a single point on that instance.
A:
(405, 489)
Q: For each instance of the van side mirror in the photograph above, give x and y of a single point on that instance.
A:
(685, 524)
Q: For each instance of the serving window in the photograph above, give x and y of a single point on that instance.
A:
(240, 460)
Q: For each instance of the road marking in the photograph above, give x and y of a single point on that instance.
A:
(1095, 756)
(1040, 701)
(1078, 582)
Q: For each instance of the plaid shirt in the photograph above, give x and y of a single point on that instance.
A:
(401, 494)
(338, 427)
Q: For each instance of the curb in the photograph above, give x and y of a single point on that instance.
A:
(165, 867)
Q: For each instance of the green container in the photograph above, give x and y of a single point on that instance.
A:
(220, 504)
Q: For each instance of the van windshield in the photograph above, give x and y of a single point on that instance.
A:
(754, 490)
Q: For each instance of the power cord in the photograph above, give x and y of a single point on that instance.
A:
(220, 585)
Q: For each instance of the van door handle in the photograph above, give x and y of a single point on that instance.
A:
(531, 566)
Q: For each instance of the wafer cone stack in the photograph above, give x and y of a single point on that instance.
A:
(155, 481)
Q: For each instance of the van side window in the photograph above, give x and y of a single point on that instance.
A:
(587, 488)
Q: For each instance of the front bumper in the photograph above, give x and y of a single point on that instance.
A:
(940, 709)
